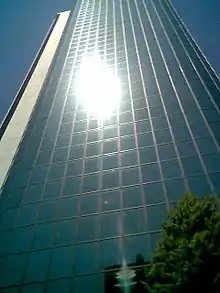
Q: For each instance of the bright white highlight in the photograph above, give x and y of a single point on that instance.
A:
(97, 88)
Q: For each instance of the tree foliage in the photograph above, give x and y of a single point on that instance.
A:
(188, 255)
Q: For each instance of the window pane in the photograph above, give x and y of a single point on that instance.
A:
(47, 211)
(136, 249)
(109, 132)
(57, 286)
(166, 151)
(63, 141)
(176, 119)
(110, 162)
(143, 126)
(21, 239)
(39, 174)
(88, 204)
(87, 228)
(154, 193)
(71, 186)
(92, 165)
(154, 238)
(215, 179)
(52, 189)
(12, 273)
(206, 146)
(74, 168)
(199, 129)
(110, 225)
(66, 129)
(110, 200)
(10, 201)
(157, 111)
(163, 136)
(132, 226)
(127, 142)
(125, 117)
(159, 123)
(110, 179)
(186, 148)
(141, 114)
(156, 216)
(93, 149)
(150, 173)
(56, 171)
(93, 135)
(76, 152)
(140, 103)
(43, 236)
(78, 138)
(175, 189)
(37, 266)
(33, 288)
(90, 283)
(65, 233)
(145, 139)
(126, 129)
(181, 133)
(110, 146)
(90, 182)
(28, 214)
(132, 197)
(129, 158)
(43, 158)
(192, 166)
(6, 242)
(85, 258)
(61, 265)
(171, 169)
(80, 126)
(34, 193)
(110, 253)
(67, 207)
(147, 155)
(199, 185)
(212, 162)
(130, 176)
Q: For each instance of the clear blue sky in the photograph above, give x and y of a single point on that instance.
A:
(24, 23)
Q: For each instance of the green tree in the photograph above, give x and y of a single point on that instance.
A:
(188, 255)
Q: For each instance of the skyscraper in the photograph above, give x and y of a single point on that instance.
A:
(116, 119)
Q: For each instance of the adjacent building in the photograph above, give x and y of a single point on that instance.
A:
(117, 117)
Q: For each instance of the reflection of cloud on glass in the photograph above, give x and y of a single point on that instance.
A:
(97, 88)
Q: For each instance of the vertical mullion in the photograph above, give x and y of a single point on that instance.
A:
(132, 106)
(118, 108)
(86, 139)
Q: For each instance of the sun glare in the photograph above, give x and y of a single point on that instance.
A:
(97, 88)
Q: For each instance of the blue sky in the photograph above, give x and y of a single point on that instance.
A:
(24, 23)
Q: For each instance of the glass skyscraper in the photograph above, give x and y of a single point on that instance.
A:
(118, 116)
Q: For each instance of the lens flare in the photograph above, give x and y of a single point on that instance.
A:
(97, 88)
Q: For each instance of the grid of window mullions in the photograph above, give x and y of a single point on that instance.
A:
(190, 130)
(141, 115)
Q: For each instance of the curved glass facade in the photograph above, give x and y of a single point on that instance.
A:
(86, 196)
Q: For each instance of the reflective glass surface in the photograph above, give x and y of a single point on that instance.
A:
(126, 123)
